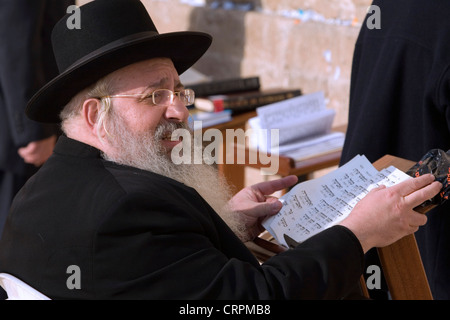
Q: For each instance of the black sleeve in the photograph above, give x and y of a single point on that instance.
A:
(155, 248)
(327, 265)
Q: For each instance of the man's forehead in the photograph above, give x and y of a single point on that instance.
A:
(146, 66)
(153, 72)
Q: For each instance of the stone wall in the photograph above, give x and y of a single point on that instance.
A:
(305, 44)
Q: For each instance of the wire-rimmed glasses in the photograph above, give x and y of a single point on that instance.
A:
(161, 97)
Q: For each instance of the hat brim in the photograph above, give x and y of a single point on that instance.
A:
(183, 48)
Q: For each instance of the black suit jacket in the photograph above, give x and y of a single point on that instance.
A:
(138, 235)
(400, 105)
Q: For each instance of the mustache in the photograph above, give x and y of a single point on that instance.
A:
(165, 128)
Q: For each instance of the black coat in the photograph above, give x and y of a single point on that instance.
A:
(135, 234)
(399, 105)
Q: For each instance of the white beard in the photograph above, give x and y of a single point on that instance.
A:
(144, 151)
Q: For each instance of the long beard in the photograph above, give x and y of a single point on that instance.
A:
(144, 151)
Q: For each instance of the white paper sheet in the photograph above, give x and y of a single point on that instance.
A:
(300, 122)
(315, 205)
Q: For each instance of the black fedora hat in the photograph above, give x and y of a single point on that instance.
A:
(112, 35)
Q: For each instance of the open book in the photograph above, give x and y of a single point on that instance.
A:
(303, 124)
(315, 205)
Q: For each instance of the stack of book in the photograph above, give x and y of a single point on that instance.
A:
(299, 128)
(218, 100)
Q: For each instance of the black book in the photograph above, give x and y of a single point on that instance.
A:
(243, 102)
(226, 86)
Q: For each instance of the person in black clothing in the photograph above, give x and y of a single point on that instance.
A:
(399, 105)
(111, 200)
(26, 64)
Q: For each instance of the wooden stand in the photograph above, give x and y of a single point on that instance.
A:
(286, 166)
(235, 172)
(401, 261)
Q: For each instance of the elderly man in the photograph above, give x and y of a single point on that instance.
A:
(110, 202)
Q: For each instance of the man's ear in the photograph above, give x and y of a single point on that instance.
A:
(90, 112)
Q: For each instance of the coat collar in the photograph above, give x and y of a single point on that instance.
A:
(72, 147)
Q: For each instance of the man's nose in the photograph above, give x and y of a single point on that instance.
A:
(177, 111)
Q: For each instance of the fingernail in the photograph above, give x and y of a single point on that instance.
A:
(276, 206)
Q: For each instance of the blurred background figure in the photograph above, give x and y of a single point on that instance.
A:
(399, 105)
(26, 63)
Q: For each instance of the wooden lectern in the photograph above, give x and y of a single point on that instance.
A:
(400, 261)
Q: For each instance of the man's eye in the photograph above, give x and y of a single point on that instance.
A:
(147, 98)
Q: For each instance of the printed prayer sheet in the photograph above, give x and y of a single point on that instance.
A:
(314, 205)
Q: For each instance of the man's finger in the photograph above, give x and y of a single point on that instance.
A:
(409, 186)
(264, 209)
(418, 197)
(417, 219)
(269, 187)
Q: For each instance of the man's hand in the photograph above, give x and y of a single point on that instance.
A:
(253, 204)
(386, 215)
(37, 152)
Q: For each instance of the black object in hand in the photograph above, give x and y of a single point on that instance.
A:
(436, 162)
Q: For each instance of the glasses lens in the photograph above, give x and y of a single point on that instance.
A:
(165, 97)
(162, 97)
(187, 96)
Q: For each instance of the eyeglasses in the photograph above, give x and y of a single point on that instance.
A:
(162, 97)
